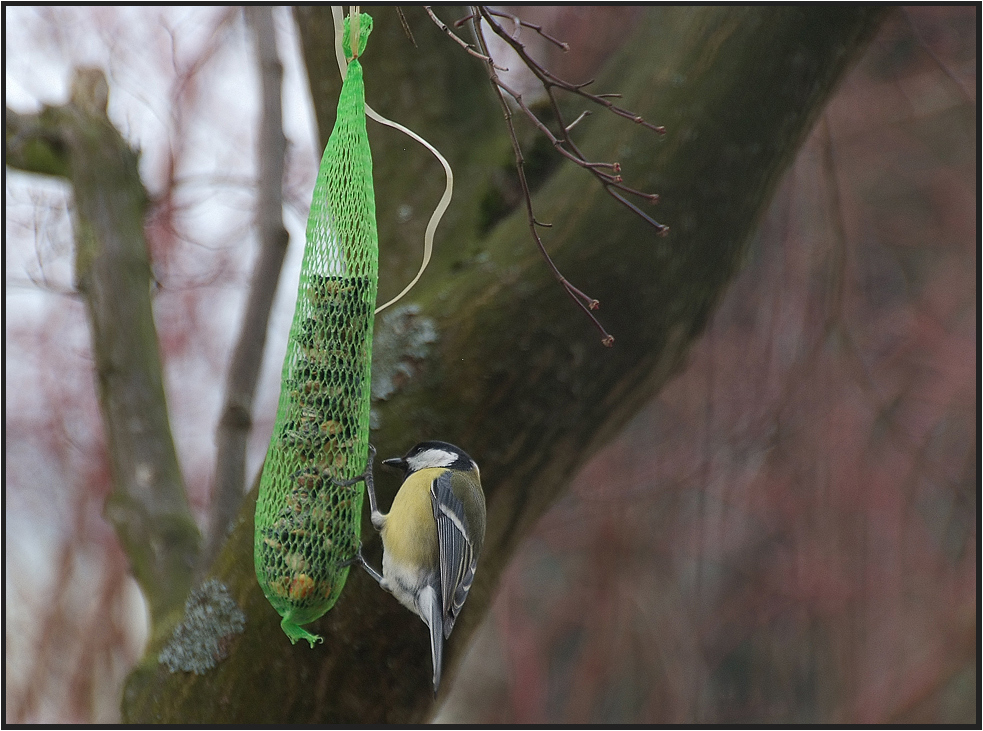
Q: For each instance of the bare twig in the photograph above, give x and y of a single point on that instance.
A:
(519, 22)
(406, 26)
(236, 420)
(549, 80)
(584, 301)
(563, 141)
(607, 173)
(574, 123)
(462, 43)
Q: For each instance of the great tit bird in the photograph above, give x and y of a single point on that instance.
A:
(431, 537)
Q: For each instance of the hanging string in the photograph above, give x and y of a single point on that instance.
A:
(337, 16)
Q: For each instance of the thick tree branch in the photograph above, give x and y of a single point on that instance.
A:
(247, 356)
(36, 143)
(148, 507)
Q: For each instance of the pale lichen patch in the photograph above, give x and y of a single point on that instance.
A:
(203, 638)
(401, 345)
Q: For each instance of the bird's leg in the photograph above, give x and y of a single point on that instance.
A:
(359, 558)
(377, 518)
(369, 570)
(367, 477)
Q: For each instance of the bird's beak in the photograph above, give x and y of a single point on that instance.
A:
(396, 462)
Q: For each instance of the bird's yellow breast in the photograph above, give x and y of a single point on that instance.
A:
(410, 533)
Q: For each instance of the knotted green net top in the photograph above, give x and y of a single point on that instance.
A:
(307, 527)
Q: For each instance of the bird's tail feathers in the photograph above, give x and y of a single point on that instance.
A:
(434, 615)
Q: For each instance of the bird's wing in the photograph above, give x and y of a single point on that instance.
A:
(457, 556)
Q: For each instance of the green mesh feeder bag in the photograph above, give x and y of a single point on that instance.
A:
(307, 527)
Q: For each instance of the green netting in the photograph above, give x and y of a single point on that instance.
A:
(307, 527)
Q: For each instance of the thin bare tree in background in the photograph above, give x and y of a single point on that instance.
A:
(237, 413)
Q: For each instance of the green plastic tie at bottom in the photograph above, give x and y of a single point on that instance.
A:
(296, 632)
